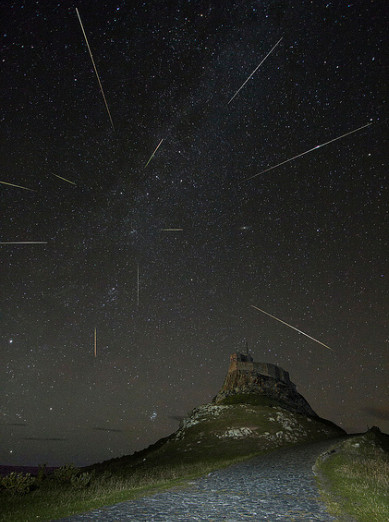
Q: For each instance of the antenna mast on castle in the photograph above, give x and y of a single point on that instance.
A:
(246, 347)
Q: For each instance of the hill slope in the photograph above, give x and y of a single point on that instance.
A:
(219, 432)
(257, 409)
(354, 477)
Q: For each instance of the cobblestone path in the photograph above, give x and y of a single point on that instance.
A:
(277, 486)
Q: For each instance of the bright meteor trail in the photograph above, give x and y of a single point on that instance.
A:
(255, 70)
(153, 154)
(293, 327)
(64, 179)
(94, 67)
(18, 186)
(310, 150)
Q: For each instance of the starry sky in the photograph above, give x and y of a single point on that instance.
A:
(304, 241)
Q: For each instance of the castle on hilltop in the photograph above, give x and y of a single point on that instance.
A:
(244, 362)
(245, 377)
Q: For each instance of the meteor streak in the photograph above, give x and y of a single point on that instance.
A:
(153, 154)
(310, 150)
(137, 284)
(18, 186)
(293, 327)
(255, 70)
(60, 177)
(95, 69)
(95, 339)
(172, 229)
(23, 243)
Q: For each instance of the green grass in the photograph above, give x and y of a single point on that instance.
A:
(354, 479)
(52, 500)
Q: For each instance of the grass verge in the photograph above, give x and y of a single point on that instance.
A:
(53, 500)
(354, 478)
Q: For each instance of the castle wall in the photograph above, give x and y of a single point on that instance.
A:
(240, 365)
(272, 370)
(241, 362)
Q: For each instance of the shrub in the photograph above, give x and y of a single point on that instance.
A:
(81, 481)
(18, 483)
(64, 474)
(42, 473)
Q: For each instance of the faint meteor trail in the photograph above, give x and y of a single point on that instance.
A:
(172, 229)
(290, 326)
(18, 186)
(255, 70)
(60, 177)
(153, 154)
(23, 242)
(94, 67)
(137, 284)
(310, 150)
(95, 342)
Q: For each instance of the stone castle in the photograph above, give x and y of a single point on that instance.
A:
(244, 362)
(247, 377)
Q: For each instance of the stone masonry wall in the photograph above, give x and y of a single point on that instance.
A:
(244, 362)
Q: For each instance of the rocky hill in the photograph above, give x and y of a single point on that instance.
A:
(253, 413)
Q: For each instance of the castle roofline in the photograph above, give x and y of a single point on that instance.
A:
(245, 362)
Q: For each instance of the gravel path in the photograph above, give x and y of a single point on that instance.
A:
(277, 486)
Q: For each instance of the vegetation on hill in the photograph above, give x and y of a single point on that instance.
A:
(354, 477)
(213, 432)
(212, 437)
(52, 499)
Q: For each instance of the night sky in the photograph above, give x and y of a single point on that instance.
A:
(305, 242)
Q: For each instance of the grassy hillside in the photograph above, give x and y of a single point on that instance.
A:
(354, 477)
(214, 433)
(213, 436)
